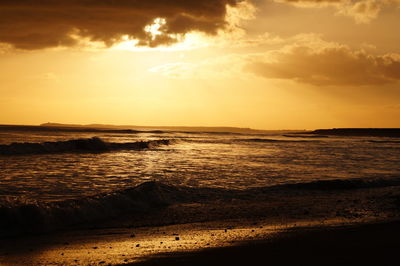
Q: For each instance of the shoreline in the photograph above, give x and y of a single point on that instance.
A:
(155, 204)
(193, 228)
(230, 242)
(356, 244)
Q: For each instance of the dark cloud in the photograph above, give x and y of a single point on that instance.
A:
(362, 11)
(329, 66)
(311, 1)
(317, 2)
(37, 24)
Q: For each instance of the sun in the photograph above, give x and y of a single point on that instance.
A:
(154, 28)
(189, 41)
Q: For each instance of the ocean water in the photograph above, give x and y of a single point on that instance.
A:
(58, 171)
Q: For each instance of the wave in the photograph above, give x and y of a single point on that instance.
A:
(344, 184)
(274, 140)
(149, 197)
(21, 218)
(93, 145)
(385, 141)
(305, 136)
(48, 216)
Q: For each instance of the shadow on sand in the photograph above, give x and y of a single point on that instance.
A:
(373, 244)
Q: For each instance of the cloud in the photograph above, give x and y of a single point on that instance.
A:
(323, 63)
(362, 11)
(38, 24)
(218, 68)
(176, 70)
(304, 58)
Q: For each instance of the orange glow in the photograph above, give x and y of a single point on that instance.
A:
(256, 71)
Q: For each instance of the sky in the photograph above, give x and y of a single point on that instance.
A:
(265, 64)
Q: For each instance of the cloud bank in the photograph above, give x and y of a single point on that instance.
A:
(304, 58)
(362, 11)
(323, 64)
(38, 24)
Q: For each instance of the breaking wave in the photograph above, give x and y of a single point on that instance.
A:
(93, 145)
(275, 140)
(385, 141)
(22, 218)
(48, 216)
(305, 136)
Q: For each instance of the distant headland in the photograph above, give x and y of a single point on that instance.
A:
(372, 132)
(138, 129)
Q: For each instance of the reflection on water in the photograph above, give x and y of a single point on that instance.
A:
(200, 160)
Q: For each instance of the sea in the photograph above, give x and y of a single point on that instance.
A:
(44, 169)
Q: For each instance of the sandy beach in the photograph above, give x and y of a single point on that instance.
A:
(367, 244)
(284, 225)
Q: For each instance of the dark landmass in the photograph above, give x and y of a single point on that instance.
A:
(174, 128)
(64, 129)
(100, 128)
(371, 244)
(166, 128)
(372, 132)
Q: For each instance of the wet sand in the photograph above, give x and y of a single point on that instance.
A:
(286, 226)
(367, 244)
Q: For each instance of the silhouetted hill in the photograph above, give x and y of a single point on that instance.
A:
(171, 128)
(137, 129)
(373, 132)
(63, 129)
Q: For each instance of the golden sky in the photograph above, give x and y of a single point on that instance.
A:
(266, 64)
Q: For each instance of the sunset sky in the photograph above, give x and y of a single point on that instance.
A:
(266, 64)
